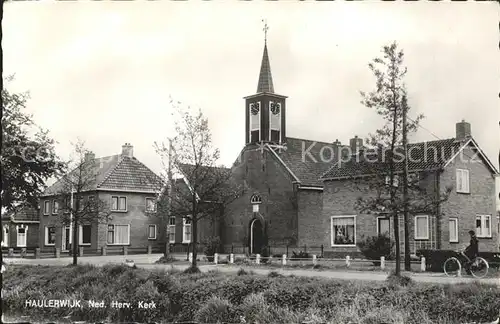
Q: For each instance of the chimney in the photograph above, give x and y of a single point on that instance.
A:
(127, 150)
(89, 156)
(356, 144)
(463, 130)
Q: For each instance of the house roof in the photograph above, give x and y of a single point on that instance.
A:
(432, 155)
(308, 168)
(24, 212)
(118, 173)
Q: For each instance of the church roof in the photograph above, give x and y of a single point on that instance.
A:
(117, 172)
(265, 78)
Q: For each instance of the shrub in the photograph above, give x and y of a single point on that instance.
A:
(212, 245)
(216, 310)
(300, 255)
(168, 259)
(434, 259)
(400, 280)
(375, 247)
(192, 270)
(243, 272)
(274, 274)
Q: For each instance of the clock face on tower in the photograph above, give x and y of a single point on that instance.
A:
(275, 108)
(254, 108)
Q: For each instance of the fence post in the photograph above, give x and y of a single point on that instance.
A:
(284, 259)
(150, 248)
(37, 253)
(231, 258)
(232, 248)
(315, 260)
(422, 264)
(382, 263)
(103, 250)
(11, 252)
(321, 250)
(216, 258)
(80, 250)
(58, 252)
(23, 252)
(190, 257)
(348, 261)
(125, 250)
(257, 259)
(269, 251)
(287, 250)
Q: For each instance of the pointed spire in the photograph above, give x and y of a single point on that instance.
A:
(265, 78)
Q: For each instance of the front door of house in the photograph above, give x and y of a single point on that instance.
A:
(66, 236)
(256, 236)
(21, 237)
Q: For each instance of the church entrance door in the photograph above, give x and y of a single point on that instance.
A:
(256, 236)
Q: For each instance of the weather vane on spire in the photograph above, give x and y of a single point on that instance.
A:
(265, 29)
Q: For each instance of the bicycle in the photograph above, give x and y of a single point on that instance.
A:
(453, 266)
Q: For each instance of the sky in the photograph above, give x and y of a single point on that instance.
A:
(104, 71)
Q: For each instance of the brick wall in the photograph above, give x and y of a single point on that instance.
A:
(465, 207)
(266, 176)
(313, 227)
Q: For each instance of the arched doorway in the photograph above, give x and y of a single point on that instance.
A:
(256, 236)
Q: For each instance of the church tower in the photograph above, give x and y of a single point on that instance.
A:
(265, 111)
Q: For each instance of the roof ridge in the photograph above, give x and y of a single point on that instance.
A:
(110, 172)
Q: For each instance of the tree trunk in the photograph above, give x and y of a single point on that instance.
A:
(75, 244)
(194, 239)
(405, 190)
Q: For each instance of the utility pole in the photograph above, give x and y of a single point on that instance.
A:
(405, 188)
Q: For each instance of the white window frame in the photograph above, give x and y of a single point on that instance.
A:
(269, 114)
(149, 237)
(46, 241)
(331, 231)
(463, 174)
(5, 241)
(395, 180)
(55, 207)
(171, 238)
(46, 207)
(455, 220)
(154, 204)
(483, 227)
(25, 227)
(114, 243)
(378, 225)
(184, 226)
(250, 121)
(415, 227)
(80, 235)
(118, 204)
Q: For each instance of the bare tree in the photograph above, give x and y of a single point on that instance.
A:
(383, 192)
(208, 186)
(75, 193)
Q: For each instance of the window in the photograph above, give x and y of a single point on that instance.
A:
(383, 225)
(21, 235)
(422, 227)
(343, 230)
(85, 234)
(80, 203)
(46, 207)
(118, 234)
(5, 237)
(463, 181)
(150, 204)
(483, 225)
(171, 229)
(254, 112)
(395, 180)
(119, 203)
(55, 206)
(453, 228)
(50, 235)
(92, 203)
(274, 121)
(151, 232)
(186, 230)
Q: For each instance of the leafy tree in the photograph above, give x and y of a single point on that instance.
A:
(208, 186)
(382, 190)
(28, 159)
(76, 196)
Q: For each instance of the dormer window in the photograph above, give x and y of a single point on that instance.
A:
(255, 110)
(256, 199)
(275, 121)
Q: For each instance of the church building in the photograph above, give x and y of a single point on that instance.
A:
(297, 192)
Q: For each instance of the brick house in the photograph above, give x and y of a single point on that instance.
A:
(129, 188)
(20, 227)
(295, 193)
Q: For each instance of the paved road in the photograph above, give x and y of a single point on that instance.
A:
(147, 262)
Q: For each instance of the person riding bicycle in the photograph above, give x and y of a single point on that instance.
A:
(472, 250)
